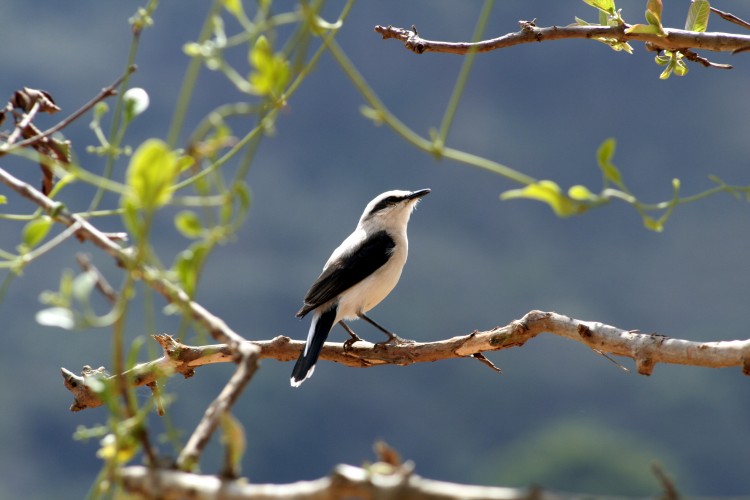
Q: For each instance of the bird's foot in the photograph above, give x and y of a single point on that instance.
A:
(348, 343)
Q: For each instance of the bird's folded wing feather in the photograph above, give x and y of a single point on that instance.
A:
(348, 270)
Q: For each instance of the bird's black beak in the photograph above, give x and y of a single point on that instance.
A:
(418, 194)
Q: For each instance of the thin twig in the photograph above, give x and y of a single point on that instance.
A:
(731, 18)
(25, 121)
(246, 367)
(675, 39)
(105, 92)
(101, 282)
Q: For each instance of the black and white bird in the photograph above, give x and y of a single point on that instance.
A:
(360, 273)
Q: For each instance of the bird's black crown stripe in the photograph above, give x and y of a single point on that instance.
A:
(385, 203)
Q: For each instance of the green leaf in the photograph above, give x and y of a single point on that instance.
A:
(680, 68)
(151, 173)
(270, 72)
(604, 155)
(188, 264)
(189, 224)
(607, 6)
(662, 60)
(233, 439)
(551, 194)
(130, 218)
(581, 193)
(653, 224)
(697, 19)
(235, 8)
(36, 230)
(667, 71)
(644, 29)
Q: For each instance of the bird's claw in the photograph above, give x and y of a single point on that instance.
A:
(348, 343)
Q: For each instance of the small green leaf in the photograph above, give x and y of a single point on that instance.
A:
(36, 230)
(667, 71)
(151, 173)
(647, 29)
(607, 6)
(653, 224)
(697, 19)
(270, 72)
(604, 155)
(581, 193)
(130, 218)
(680, 68)
(662, 60)
(233, 439)
(550, 193)
(188, 264)
(235, 8)
(189, 224)
(242, 191)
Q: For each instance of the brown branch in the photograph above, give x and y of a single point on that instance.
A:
(246, 368)
(379, 480)
(675, 39)
(645, 349)
(731, 18)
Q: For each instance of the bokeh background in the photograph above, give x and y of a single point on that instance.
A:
(560, 416)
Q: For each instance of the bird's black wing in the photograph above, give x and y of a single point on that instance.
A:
(349, 270)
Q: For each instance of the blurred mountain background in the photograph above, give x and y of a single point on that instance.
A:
(560, 416)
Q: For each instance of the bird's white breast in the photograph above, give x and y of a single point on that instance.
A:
(372, 290)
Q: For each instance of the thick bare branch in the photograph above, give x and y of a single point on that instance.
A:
(675, 39)
(380, 480)
(645, 349)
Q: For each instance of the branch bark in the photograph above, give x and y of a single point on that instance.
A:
(380, 480)
(645, 349)
(675, 39)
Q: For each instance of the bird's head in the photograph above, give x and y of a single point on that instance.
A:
(391, 209)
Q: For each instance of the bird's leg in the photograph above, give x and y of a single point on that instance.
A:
(392, 337)
(355, 337)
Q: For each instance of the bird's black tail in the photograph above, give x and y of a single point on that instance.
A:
(319, 328)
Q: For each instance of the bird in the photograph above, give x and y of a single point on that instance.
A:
(359, 274)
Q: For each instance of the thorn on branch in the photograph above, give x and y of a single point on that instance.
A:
(482, 358)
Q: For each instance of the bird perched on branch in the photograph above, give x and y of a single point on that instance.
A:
(360, 273)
